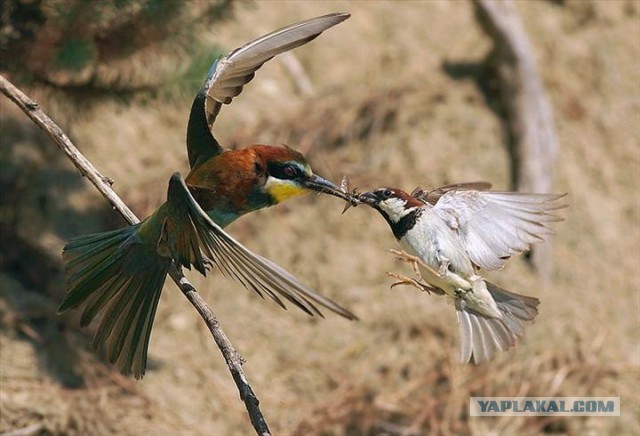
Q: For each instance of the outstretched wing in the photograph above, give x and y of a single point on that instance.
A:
(253, 271)
(496, 225)
(434, 195)
(229, 74)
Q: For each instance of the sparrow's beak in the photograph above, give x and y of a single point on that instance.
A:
(368, 198)
(318, 184)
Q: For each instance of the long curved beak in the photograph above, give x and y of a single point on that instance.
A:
(319, 184)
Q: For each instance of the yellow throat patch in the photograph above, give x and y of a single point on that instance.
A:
(282, 190)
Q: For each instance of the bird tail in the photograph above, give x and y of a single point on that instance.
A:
(481, 336)
(118, 274)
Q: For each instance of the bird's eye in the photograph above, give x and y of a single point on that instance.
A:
(289, 171)
(284, 171)
(386, 193)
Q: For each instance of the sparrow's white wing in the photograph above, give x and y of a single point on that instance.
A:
(229, 74)
(253, 271)
(434, 195)
(496, 225)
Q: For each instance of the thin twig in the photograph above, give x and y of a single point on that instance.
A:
(86, 168)
(298, 73)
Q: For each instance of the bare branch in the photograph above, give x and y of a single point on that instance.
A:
(528, 115)
(231, 356)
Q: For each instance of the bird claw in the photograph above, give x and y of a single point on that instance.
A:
(406, 281)
(416, 263)
(405, 257)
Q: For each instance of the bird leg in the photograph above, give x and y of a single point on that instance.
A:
(406, 281)
(416, 263)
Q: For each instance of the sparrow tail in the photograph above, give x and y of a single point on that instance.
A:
(482, 337)
(117, 274)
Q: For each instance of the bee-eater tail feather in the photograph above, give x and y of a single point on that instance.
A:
(482, 337)
(117, 274)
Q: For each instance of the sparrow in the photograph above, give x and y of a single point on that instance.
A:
(120, 273)
(452, 233)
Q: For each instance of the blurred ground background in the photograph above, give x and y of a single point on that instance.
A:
(387, 110)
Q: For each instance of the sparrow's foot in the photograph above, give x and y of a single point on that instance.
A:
(406, 281)
(406, 257)
(415, 261)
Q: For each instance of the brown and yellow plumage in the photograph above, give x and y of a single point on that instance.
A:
(120, 273)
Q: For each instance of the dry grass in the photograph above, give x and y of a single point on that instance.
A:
(385, 113)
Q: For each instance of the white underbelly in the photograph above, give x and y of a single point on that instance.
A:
(432, 245)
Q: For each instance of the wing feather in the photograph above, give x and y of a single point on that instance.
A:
(434, 195)
(497, 225)
(229, 74)
(466, 335)
(253, 271)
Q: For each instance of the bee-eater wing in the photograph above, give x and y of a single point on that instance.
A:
(253, 271)
(494, 226)
(229, 74)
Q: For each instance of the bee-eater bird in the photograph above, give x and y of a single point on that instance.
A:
(121, 272)
(454, 231)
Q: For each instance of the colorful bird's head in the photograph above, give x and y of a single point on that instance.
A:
(237, 182)
(286, 173)
(399, 208)
(394, 203)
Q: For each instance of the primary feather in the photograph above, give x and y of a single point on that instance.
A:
(228, 75)
(121, 273)
(236, 261)
(232, 72)
(493, 226)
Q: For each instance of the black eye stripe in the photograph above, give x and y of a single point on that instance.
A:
(284, 171)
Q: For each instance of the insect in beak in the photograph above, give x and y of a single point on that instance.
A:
(352, 194)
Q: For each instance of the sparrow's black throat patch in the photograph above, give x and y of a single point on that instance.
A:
(405, 224)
